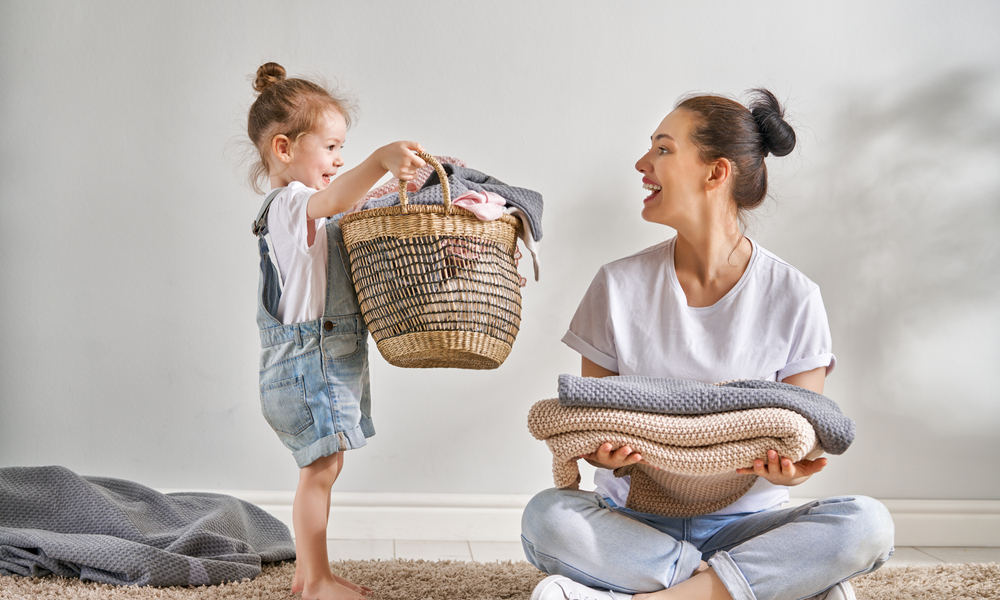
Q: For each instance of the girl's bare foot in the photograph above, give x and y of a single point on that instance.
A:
(298, 584)
(354, 587)
(329, 589)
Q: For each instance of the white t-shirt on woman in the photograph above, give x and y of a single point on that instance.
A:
(634, 320)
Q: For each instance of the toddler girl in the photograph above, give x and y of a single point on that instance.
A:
(314, 385)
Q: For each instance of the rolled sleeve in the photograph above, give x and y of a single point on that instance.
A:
(808, 364)
(589, 352)
(812, 345)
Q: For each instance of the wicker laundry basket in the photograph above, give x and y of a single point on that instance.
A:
(438, 288)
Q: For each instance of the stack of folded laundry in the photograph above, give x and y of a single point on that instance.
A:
(692, 435)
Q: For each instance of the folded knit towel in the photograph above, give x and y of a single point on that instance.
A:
(696, 456)
(685, 397)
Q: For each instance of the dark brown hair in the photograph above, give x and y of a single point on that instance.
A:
(744, 135)
(292, 107)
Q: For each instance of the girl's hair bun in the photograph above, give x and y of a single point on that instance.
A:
(267, 75)
(777, 135)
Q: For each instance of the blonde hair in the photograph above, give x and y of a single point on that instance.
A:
(291, 107)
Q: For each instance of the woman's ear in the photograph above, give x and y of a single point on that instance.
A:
(281, 147)
(718, 174)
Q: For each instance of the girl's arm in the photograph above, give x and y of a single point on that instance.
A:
(780, 470)
(345, 191)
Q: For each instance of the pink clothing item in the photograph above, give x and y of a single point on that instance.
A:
(487, 206)
(423, 173)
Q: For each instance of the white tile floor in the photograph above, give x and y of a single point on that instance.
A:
(502, 551)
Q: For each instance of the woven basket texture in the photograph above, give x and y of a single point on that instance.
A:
(438, 288)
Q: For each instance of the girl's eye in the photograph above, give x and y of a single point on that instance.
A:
(664, 151)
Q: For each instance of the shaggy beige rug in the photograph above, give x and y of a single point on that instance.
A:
(453, 580)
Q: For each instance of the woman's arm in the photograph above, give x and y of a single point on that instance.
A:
(607, 456)
(810, 380)
(780, 470)
(591, 369)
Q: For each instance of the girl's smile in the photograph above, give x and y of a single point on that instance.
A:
(315, 157)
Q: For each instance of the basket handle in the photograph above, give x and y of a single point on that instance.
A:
(442, 175)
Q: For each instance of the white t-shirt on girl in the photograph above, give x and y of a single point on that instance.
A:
(634, 320)
(299, 246)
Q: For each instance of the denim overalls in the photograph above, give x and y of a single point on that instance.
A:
(314, 386)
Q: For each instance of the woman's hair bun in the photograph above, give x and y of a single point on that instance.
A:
(267, 75)
(778, 136)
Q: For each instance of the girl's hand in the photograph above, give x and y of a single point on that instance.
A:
(607, 457)
(784, 471)
(399, 159)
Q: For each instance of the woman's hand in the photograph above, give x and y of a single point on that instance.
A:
(783, 471)
(608, 457)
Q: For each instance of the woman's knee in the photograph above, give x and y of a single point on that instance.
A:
(878, 523)
(868, 526)
(538, 517)
(546, 514)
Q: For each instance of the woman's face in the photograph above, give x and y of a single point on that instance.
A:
(673, 172)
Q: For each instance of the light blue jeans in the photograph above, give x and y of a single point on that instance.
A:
(781, 554)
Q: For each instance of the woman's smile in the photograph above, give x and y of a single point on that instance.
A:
(652, 187)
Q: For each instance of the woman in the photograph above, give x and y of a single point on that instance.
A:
(708, 305)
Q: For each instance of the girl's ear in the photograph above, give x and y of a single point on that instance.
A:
(281, 147)
(718, 174)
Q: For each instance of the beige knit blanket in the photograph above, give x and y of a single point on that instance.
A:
(692, 460)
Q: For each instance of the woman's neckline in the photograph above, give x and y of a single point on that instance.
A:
(675, 282)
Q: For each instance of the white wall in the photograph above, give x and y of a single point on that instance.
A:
(127, 339)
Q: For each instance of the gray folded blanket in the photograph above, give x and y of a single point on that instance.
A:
(462, 180)
(112, 531)
(834, 431)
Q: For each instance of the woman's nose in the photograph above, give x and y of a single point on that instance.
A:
(643, 163)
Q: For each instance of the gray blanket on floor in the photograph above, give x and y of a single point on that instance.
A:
(834, 431)
(53, 521)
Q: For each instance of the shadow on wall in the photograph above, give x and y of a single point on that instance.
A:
(904, 223)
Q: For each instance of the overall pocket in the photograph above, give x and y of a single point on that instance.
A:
(284, 406)
(341, 346)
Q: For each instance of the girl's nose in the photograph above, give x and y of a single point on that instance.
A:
(338, 161)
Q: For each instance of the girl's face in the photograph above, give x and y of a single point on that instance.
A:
(673, 172)
(316, 155)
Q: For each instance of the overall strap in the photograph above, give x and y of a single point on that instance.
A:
(260, 223)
